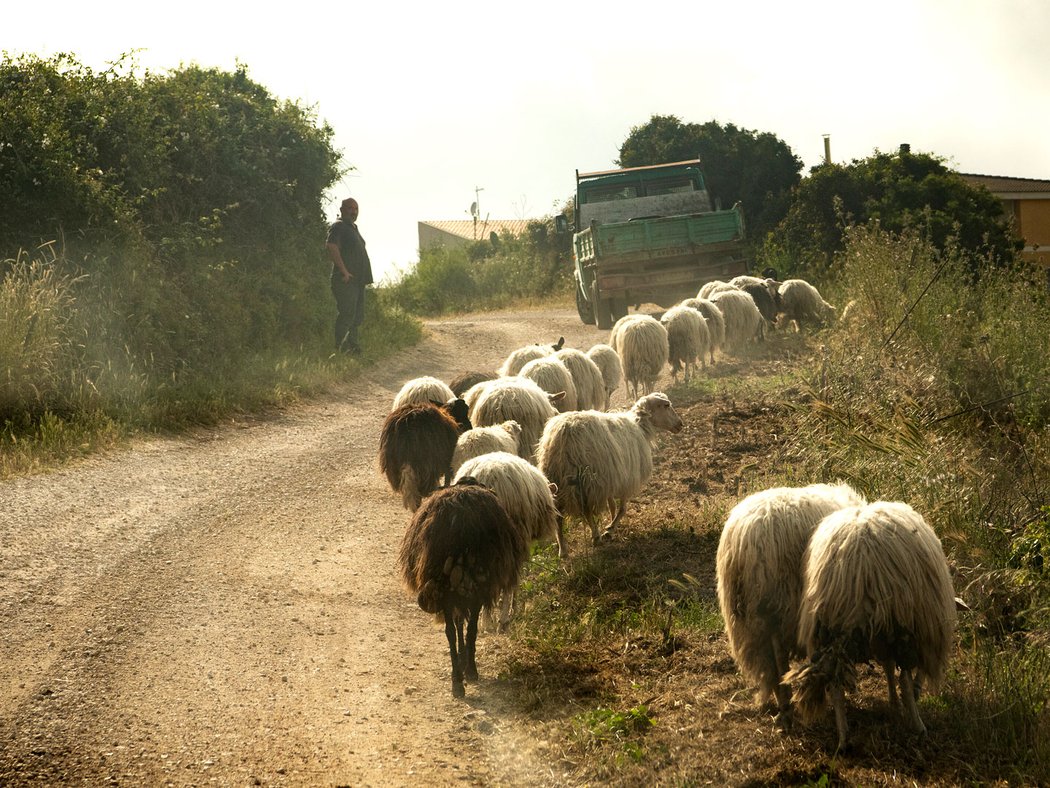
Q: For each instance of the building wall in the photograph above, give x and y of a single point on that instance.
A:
(1033, 225)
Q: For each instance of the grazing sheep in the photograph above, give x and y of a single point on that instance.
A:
(527, 498)
(759, 572)
(711, 288)
(801, 303)
(459, 553)
(716, 323)
(551, 375)
(415, 450)
(743, 320)
(597, 458)
(484, 440)
(523, 355)
(590, 385)
(766, 303)
(876, 586)
(519, 399)
(464, 381)
(425, 389)
(641, 342)
(688, 339)
(610, 365)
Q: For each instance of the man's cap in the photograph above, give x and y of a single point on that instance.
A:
(348, 202)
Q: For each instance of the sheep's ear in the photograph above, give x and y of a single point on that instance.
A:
(553, 488)
(556, 398)
(558, 345)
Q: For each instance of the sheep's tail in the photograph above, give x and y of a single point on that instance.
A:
(829, 666)
(411, 496)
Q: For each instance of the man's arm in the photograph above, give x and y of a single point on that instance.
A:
(337, 261)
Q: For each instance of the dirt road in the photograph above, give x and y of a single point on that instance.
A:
(224, 609)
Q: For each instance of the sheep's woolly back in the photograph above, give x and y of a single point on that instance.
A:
(416, 445)
(461, 551)
(711, 288)
(424, 389)
(519, 399)
(606, 359)
(759, 571)
(641, 342)
(521, 488)
(877, 580)
(466, 380)
(522, 356)
(594, 457)
(590, 385)
(551, 375)
(716, 323)
(485, 440)
(688, 338)
(801, 302)
(742, 318)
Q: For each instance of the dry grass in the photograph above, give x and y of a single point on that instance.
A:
(630, 631)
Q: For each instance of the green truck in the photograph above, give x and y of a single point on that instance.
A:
(649, 235)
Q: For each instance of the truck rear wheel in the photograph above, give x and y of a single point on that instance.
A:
(602, 308)
(584, 308)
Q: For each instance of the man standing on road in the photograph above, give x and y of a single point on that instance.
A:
(351, 272)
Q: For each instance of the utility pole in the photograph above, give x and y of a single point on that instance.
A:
(475, 209)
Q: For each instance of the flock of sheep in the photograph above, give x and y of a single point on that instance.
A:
(492, 462)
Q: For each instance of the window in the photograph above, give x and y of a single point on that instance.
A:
(681, 185)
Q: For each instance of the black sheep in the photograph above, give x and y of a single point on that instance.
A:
(458, 555)
(415, 450)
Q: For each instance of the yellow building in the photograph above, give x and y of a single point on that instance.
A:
(1027, 202)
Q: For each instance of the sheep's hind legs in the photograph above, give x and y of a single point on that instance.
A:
(453, 633)
(470, 666)
(911, 708)
(617, 511)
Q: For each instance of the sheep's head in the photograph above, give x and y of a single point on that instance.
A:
(512, 428)
(657, 410)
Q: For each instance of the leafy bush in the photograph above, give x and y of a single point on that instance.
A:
(900, 191)
(486, 274)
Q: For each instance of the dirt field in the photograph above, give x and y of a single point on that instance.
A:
(223, 609)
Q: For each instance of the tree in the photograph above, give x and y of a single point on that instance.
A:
(753, 168)
(899, 190)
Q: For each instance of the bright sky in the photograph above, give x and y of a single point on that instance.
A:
(431, 101)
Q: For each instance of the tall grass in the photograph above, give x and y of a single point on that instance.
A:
(71, 380)
(935, 389)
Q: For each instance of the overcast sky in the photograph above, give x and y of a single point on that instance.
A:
(431, 101)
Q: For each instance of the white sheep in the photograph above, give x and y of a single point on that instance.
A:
(552, 375)
(711, 288)
(609, 363)
(523, 355)
(688, 339)
(424, 389)
(801, 302)
(716, 322)
(519, 399)
(590, 385)
(743, 320)
(485, 440)
(528, 499)
(759, 576)
(876, 586)
(641, 342)
(598, 459)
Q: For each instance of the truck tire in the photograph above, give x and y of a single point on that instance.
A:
(584, 308)
(602, 309)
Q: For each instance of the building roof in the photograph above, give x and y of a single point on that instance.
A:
(464, 228)
(1006, 187)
